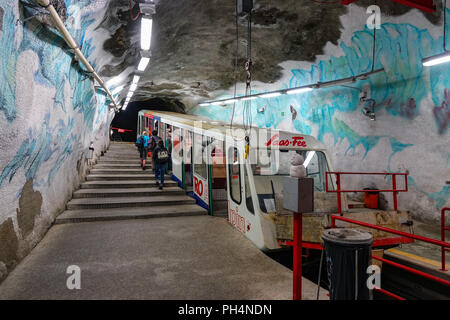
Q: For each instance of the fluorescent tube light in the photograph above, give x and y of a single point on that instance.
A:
(133, 87)
(270, 95)
(204, 104)
(143, 63)
(136, 79)
(301, 90)
(435, 60)
(230, 101)
(146, 33)
(247, 98)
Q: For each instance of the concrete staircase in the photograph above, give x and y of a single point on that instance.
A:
(118, 189)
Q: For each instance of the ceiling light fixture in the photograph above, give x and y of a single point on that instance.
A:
(133, 87)
(146, 33)
(443, 57)
(296, 90)
(143, 63)
(136, 79)
(301, 90)
(270, 95)
(435, 60)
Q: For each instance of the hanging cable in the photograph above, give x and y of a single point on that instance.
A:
(445, 25)
(247, 111)
(131, 12)
(374, 47)
(236, 54)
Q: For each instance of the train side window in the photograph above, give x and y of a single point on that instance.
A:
(200, 155)
(234, 171)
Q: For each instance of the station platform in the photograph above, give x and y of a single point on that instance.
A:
(194, 257)
(134, 241)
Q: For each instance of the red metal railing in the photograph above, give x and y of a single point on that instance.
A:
(394, 189)
(443, 229)
(443, 244)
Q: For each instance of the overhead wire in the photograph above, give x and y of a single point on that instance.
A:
(236, 54)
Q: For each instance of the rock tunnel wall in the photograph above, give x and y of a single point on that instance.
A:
(412, 128)
(49, 114)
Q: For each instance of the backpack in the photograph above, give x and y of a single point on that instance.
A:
(140, 143)
(153, 143)
(162, 155)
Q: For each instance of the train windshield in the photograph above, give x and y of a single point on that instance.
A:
(272, 165)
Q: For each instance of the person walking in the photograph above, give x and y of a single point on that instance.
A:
(160, 156)
(169, 148)
(154, 140)
(142, 144)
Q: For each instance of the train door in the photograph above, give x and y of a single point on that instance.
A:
(177, 156)
(241, 213)
(187, 160)
(218, 181)
(200, 164)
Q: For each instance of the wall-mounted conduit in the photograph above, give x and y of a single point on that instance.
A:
(72, 44)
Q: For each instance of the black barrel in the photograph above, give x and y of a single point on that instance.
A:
(348, 255)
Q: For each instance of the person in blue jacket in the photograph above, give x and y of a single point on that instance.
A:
(142, 144)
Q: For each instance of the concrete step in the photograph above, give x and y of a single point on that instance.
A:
(121, 166)
(134, 157)
(121, 171)
(125, 202)
(126, 192)
(74, 216)
(103, 160)
(125, 184)
(146, 175)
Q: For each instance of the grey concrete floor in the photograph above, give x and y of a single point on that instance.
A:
(199, 257)
(423, 249)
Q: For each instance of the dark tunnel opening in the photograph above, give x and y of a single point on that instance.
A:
(128, 119)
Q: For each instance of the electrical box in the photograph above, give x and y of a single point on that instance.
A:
(298, 194)
(244, 6)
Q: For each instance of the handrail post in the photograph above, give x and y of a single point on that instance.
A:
(443, 228)
(394, 187)
(338, 189)
(297, 265)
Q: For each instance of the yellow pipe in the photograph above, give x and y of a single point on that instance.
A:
(72, 44)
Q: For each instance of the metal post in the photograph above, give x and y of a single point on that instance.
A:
(394, 187)
(297, 263)
(356, 274)
(338, 189)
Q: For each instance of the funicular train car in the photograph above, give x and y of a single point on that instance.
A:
(210, 159)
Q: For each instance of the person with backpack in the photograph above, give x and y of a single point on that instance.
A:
(142, 145)
(154, 140)
(160, 156)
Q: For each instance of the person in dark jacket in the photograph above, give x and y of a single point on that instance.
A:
(160, 156)
(142, 144)
(152, 144)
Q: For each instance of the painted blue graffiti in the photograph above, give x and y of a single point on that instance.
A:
(400, 90)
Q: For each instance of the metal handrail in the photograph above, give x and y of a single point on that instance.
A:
(338, 190)
(47, 5)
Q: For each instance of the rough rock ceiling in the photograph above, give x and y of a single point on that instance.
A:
(194, 42)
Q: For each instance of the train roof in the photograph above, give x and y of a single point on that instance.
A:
(222, 130)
